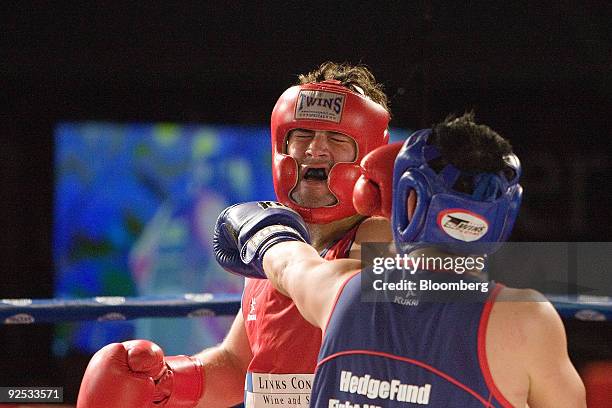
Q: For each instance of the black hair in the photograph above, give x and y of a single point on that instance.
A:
(470, 147)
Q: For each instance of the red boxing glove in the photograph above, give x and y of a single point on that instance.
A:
(374, 190)
(135, 374)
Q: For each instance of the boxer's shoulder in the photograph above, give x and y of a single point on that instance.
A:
(525, 339)
(507, 294)
(523, 317)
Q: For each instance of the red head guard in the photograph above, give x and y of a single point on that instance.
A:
(326, 106)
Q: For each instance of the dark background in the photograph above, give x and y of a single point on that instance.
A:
(539, 74)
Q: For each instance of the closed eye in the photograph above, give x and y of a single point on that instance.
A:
(302, 135)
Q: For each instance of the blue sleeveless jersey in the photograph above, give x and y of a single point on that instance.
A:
(386, 354)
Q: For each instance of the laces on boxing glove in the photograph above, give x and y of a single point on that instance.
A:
(163, 387)
(257, 245)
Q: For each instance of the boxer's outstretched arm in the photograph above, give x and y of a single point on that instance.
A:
(225, 368)
(296, 270)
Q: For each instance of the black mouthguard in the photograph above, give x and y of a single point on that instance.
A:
(315, 174)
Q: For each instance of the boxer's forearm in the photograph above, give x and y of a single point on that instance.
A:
(284, 263)
(225, 367)
(224, 384)
(297, 271)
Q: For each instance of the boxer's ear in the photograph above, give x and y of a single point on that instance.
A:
(411, 202)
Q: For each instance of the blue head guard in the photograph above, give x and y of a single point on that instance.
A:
(445, 217)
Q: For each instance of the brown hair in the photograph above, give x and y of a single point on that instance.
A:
(358, 78)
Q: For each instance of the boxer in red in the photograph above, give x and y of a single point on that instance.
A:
(321, 129)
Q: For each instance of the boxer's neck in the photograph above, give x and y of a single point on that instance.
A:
(323, 235)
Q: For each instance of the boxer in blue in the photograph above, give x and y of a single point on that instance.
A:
(453, 186)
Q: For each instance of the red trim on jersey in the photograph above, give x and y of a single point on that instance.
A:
(341, 248)
(482, 348)
(338, 297)
(415, 362)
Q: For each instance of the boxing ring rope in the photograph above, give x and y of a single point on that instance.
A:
(109, 308)
(113, 308)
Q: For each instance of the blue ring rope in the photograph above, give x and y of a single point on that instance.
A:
(108, 308)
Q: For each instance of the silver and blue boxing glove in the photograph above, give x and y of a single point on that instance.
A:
(244, 232)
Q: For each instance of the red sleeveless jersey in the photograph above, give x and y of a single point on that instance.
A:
(284, 345)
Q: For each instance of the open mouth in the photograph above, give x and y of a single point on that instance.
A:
(316, 174)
